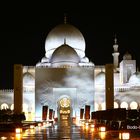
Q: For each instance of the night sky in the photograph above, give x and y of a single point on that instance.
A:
(24, 28)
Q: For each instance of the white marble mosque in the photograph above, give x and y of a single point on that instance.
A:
(66, 78)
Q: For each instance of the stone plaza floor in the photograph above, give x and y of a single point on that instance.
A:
(65, 131)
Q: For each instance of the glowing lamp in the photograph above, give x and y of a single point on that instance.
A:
(18, 130)
(32, 126)
(102, 129)
(44, 123)
(3, 138)
(124, 135)
(86, 124)
(86, 127)
(39, 124)
(92, 125)
(92, 129)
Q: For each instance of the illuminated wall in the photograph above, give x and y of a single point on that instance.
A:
(51, 84)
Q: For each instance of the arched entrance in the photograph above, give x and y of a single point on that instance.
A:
(64, 108)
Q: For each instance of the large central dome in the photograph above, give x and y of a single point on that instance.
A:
(64, 55)
(68, 32)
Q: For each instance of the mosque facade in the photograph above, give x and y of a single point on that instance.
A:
(65, 81)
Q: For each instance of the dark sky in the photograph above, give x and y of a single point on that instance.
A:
(24, 28)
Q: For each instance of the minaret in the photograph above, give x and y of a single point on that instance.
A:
(115, 54)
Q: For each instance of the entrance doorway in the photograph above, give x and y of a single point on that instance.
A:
(64, 108)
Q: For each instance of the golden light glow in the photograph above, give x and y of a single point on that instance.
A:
(18, 136)
(102, 135)
(124, 135)
(3, 138)
(124, 105)
(29, 116)
(102, 128)
(32, 126)
(86, 127)
(92, 125)
(92, 129)
(65, 102)
(86, 124)
(18, 130)
(32, 131)
(64, 111)
(133, 105)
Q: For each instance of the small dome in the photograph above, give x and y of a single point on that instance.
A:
(85, 60)
(68, 32)
(100, 78)
(28, 79)
(44, 60)
(127, 56)
(65, 55)
(135, 79)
